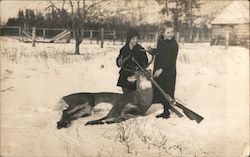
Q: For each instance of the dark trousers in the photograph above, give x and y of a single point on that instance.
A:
(168, 85)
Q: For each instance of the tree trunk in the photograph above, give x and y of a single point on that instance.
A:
(191, 32)
(77, 47)
(76, 34)
(191, 23)
(77, 41)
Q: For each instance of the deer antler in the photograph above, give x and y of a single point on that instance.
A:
(152, 58)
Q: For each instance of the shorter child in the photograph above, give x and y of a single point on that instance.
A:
(124, 60)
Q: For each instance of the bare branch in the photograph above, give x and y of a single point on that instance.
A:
(78, 8)
(63, 4)
(93, 4)
(53, 5)
(71, 6)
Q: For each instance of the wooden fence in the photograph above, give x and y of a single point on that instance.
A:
(44, 34)
(93, 36)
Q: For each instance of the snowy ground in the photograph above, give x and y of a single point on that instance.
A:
(212, 81)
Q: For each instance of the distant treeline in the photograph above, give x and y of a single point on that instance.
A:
(60, 18)
(55, 19)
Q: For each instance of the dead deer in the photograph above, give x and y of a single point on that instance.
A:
(125, 106)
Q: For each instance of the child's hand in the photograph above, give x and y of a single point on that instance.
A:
(157, 73)
(151, 50)
(120, 61)
(148, 46)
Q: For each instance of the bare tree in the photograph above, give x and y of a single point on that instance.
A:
(78, 11)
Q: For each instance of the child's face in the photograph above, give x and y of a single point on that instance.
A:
(169, 33)
(134, 41)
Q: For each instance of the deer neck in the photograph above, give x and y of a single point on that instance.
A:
(144, 91)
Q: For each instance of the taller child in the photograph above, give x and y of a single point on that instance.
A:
(165, 67)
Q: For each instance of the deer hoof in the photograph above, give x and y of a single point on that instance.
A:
(163, 115)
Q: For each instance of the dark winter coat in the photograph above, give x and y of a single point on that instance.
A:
(166, 55)
(140, 56)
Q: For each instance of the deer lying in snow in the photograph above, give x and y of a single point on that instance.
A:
(125, 106)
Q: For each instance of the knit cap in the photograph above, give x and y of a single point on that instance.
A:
(130, 34)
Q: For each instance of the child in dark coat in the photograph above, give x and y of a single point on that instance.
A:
(165, 68)
(124, 60)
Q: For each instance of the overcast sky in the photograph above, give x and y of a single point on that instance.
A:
(9, 8)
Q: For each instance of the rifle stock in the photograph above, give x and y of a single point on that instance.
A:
(189, 113)
(176, 111)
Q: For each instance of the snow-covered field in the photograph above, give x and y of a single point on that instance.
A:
(212, 81)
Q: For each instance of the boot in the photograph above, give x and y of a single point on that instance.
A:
(166, 113)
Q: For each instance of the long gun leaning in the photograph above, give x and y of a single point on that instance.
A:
(189, 113)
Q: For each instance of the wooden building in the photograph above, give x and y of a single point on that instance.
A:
(234, 21)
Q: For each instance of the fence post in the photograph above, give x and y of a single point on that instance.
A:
(20, 32)
(145, 36)
(202, 35)
(44, 33)
(156, 38)
(97, 36)
(226, 39)
(198, 35)
(33, 36)
(178, 37)
(114, 37)
(25, 27)
(91, 36)
(102, 37)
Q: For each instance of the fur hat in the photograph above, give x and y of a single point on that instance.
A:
(130, 34)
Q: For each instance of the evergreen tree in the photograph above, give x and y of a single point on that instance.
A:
(182, 13)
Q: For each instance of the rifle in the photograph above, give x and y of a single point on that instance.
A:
(189, 113)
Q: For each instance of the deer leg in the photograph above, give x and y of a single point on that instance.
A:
(121, 118)
(115, 120)
(127, 113)
(98, 121)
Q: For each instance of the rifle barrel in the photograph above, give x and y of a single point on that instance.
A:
(189, 113)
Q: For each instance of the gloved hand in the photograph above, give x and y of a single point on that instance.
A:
(151, 50)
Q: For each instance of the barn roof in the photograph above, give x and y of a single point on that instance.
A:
(235, 13)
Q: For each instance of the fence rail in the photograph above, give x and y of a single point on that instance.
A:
(113, 35)
(99, 36)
